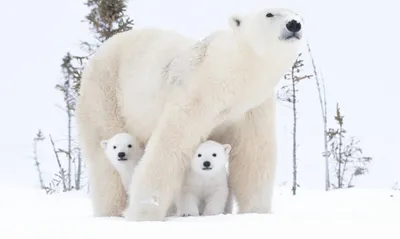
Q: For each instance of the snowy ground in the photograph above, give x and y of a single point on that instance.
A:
(349, 213)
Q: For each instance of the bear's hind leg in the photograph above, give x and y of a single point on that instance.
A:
(253, 158)
(229, 203)
(105, 185)
(98, 118)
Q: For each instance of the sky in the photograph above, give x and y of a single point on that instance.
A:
(353, 44)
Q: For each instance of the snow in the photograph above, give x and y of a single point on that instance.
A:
(347, 213)
(350, 213)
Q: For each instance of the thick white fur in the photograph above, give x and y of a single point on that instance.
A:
(123, 142)
(205, 192)
(172, 92)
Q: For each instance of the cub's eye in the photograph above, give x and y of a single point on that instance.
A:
(214, 155)
(199, 155)
(269, 15)
(130, 146)
(114, 147)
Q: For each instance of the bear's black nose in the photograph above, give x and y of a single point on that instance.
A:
(293, 26)
(206, 164)
(121, 154)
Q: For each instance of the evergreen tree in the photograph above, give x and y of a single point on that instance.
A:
(106, 18)
(345, 154)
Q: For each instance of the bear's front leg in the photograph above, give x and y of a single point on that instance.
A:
(188, 205)
(229, 203)
(253, 159)
(215, 203)
(159, 176)
(106, 189)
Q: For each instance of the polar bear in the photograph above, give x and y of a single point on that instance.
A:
(172, 92)
(124, 153)
(205, 189)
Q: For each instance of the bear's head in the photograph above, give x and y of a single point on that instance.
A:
(274, 32)
(119, 147)
(210, 157)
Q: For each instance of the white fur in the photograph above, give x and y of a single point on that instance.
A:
(123, 143)
(171, 93)
(205, 192)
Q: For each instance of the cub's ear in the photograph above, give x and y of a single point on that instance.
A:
(103, 144)
(235, 21)
(227, 148)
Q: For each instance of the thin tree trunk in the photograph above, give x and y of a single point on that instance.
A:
(322, 102)
(325, 117)
(345, 161)
(351, 179)
(294, 187)
(69, 136)
(344, 168)
(59, 165)
(35, 157)
(69, 152)
(340, 158)
(79, 172)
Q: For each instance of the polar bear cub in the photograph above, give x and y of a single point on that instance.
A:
(123, 152)
(205, 189)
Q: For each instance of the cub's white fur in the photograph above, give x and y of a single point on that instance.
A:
(205, 189)
(124, 153)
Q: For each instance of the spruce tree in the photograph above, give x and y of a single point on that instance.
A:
(345, 154)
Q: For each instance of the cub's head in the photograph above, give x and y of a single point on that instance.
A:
(119, 147)
(275, 32)
(210, 157)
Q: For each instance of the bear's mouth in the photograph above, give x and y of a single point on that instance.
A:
(122, 159)
(206, 169)
(290, 36)
(293, 36)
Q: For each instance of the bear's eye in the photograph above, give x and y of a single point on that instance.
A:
(269, 15)
(114, 147)
(214, 155)
(130, 146)
(199, 155)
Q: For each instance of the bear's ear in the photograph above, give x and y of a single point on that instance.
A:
(141, 145)
(103, 144)
(235, 21)
(227, 148)
(202, 140)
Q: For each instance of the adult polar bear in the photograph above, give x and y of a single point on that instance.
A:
(171, 93)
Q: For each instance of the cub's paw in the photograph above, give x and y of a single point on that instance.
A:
(189, 214)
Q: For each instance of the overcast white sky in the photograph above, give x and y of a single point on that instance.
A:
(354, 42)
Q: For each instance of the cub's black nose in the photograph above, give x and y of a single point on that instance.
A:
(206, 164)
(293, 26)
(121, 154)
